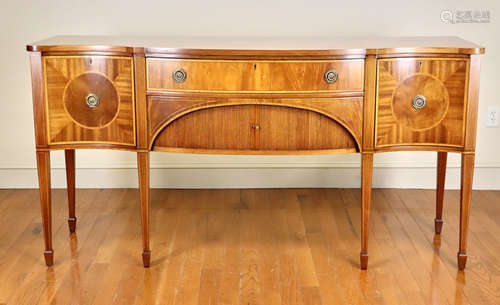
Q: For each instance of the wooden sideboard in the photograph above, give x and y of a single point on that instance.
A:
(314, 95)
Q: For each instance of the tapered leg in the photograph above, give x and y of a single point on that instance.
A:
(465, 198)
(143, 164)
(366, 189)
(43, 164)
(70, 181)
(441, 174)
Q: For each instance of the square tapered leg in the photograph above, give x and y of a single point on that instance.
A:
(465, 200)
(143, 165)
(43, 165)
(366, 189)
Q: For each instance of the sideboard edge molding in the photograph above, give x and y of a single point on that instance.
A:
(258, 46)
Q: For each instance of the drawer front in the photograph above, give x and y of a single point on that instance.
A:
(249, 126)
(254, 76)
(421, 101)
(89, 99)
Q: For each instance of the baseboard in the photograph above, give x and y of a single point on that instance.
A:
(278, 177)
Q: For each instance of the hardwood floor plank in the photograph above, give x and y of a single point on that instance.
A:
(194, 251)
(120, 268)
(241, 247)
(51, 277)
(310, 296)
(413, 245)
(230, 282)
(170, 277)
(444, 255)
(268, 258)
(250, 276)
(303, 256)
(289, 287)
(209, 286)
(481, 288)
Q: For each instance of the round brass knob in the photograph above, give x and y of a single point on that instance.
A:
(419, 102)
(179, 75)
(331, 76)
(92, 100)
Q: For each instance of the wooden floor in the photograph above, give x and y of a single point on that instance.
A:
(228, 247)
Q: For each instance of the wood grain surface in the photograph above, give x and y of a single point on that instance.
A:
(442, 82)
(255, 76)
(162, 111)
(255, 127)
(280, 246)
(70, 79)
(309, 46)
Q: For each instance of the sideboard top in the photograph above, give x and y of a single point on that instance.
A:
(256, 46)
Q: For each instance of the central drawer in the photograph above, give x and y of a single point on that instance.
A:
(246, 76)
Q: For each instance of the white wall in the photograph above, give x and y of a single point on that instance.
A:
(24, 21)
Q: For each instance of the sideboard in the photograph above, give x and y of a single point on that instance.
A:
(234, 95)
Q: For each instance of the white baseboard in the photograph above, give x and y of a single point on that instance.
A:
(276, 177)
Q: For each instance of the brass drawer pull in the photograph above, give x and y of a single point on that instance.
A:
(179, 75)
(256, 127)
(419, 102)
(331, 76)
(92, 100)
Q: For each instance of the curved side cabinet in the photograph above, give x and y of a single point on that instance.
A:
(89, 99)
(421, 101)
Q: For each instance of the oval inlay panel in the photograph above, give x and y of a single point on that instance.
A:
(436, 96)
(75, 100)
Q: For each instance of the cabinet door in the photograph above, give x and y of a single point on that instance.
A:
(294, 129)
(89, 99)
(421, 101)
(244, 129)
(225, 128)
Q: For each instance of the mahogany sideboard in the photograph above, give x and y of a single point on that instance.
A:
(314, 95)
